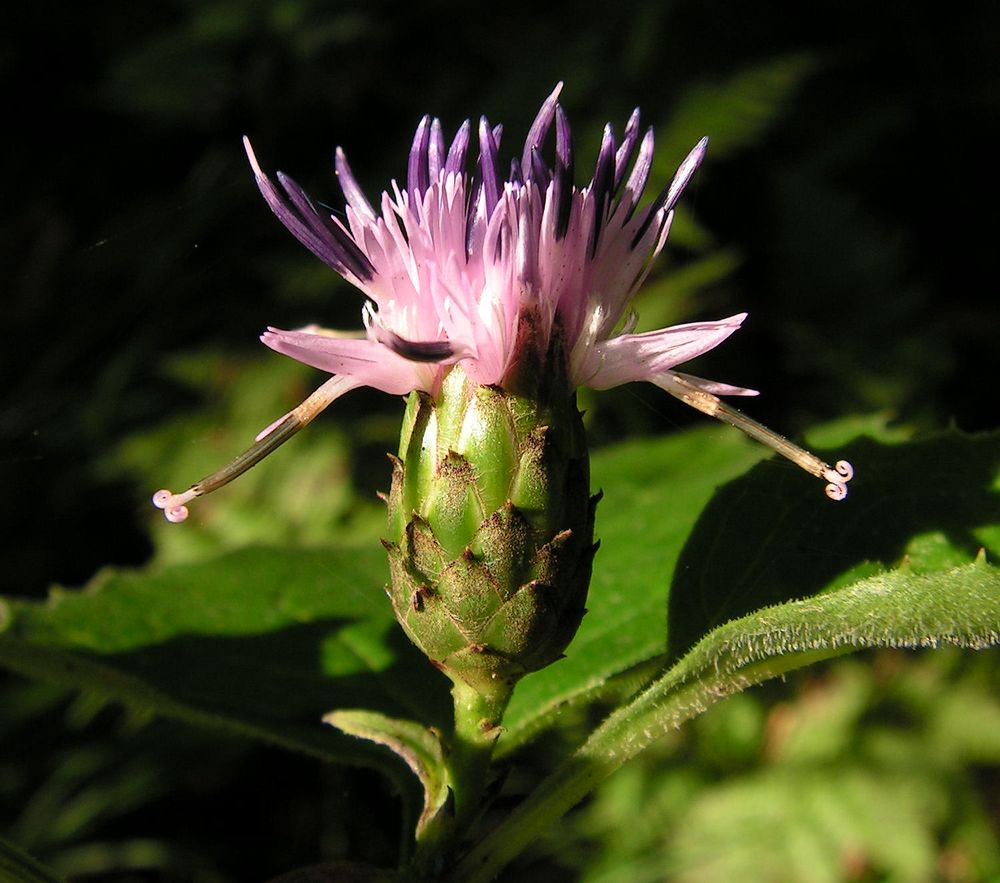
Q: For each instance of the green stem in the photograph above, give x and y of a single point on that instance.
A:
(621, 737)
(477, 726)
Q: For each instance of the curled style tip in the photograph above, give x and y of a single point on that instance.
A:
(172, 504)
(838, 477)
(691, 394)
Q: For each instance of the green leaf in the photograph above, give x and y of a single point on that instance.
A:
(256, 642)
(765, 539)
(16, 866)
(679, 557)
(653, 491)
(900, 609)
(261, 641)
(418, 746)
(798, 825)
(785, 782)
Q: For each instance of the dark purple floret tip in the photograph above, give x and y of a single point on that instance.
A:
(418, 350)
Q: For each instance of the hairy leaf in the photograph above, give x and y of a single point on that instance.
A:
(959, 607)
(257, 642)
(680, 557)
(418, 746)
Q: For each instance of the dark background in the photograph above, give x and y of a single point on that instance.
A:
(862, 215)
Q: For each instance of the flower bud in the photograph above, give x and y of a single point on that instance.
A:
(491, 524)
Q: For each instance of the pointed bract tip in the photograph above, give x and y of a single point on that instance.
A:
(685, 172)
(697, 154)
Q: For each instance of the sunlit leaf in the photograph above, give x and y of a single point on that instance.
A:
(676, 556)
(258, 642)
(419, 747)
(959, 607)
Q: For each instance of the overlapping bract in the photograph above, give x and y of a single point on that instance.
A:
(491, 527)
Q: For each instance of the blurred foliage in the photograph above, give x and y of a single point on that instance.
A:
(108, 794)
(303, 500)
(877, 768)
(843, 204)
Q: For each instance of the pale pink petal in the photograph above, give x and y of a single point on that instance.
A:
(368, 361)
(631, 357)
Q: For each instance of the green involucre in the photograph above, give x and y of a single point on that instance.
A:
(491, 527)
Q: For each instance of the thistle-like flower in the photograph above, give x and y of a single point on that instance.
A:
(490, 300)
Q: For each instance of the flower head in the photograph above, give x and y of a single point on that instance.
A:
(493, 273)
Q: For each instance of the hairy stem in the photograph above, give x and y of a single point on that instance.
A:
(621, 737)
(477, 726)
